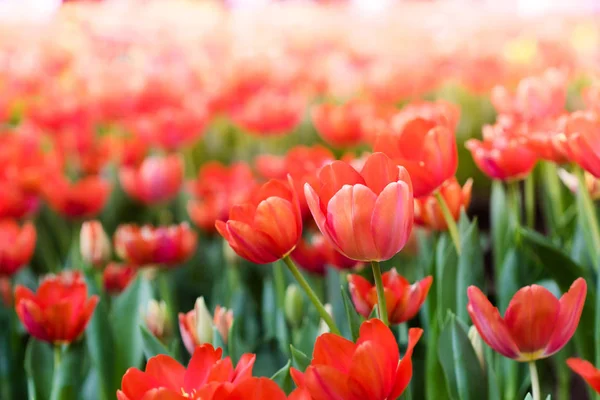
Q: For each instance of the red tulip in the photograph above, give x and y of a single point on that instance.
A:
(196, 326)
(313, 254)
(587, 371)
(147, 245)
(536, 324)
(156, 180)
(426, 148)
(207, 377)
(403, 300)
(17, 245)
(60, 309)
(216, 190)
(15, 202)
(367, 216)
(116, 277)
(341, 125)
(368, 369)
(428, 212)
(82, 199)
(582, 141)
(268, 228)
(502, 157)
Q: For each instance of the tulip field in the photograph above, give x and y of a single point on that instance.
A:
(299, 201)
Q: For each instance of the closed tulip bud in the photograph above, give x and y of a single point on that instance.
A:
(157, 319)
(223, 320)
(204, 322)
(94, 243)
(477, 344)
(294, 305)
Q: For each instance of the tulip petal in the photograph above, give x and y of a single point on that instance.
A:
(375, 331)
(327, 383)
(359, 289)
(257, 389)
(587, 371)
(199, 368)
(392, 219)
(371, 374)
(411, 301)
(571, 307)
(167, 371)
(333, 177)
(349, 215)
(243, 369)
(531, 317)
(489, 324)
(275, 217)
(251, 244)
(333, 351)
(136, 383)
(404, 372)
(379, 171)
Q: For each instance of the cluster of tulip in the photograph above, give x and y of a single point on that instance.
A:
(361, 195)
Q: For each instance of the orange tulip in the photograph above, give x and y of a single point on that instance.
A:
(313, 254)
(403, 300)
(216, 190)
(156, 180)
(60, 309)
(17, 245)
(368, 369)
(367, 216)
(268, 228)
(207, 377)
(426, 148)
(428, 212)
(587, 371)
(536, 324)
(582, 141)
(341, 125)
(502, 157)
(116, 277)
(148, 245)
(82, 199)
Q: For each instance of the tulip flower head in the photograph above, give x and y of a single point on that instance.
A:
(94, 243)
(82, 199)
(207, 377)
(148, 245)
(426, 148)
(572, 183)
(582, 141)
(116, 277)
(314, 253)
(17, 244)
(366, 215)
(587, 371)
(156, 180)
(370, 369)
(197, 325)
(535, 325)
(403, 300)
(428, 212)
(341, 125)
(59, 310)
(157, 318)
(267, 228)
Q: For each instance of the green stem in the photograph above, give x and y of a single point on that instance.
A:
(57, 357)
(530, 200)
(514, 202)
(311, 295)
(452, 228)
(166, 294)
(586, 206)
(381, 306)
(554, 198)
(535, 381)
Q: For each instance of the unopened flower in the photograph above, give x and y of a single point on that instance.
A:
(157, 318)
(94, 243)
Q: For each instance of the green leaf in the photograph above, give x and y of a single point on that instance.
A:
(529, 397)
(101, 343)
(152, 346)
(39, 367)
(446, 271)
(565, 271)
(69, 377)
(269, 309)
(435, 387)
(335, 298)
(500, 222)
(301, 361)
(218, 341)
(126, 321)
(236, 346)
(284, 379)
(464, 376)
(353, 318)
(282, 333)
(470, 269)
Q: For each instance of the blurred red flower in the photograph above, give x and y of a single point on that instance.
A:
(428, 212)
(587, 371)
(82, 199)
(582, 141)
(17, 244)
(156, 180)
(314, 253)
(59, 310)
(116, 277)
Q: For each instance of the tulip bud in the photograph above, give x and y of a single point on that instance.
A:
(157, 318)
(94, 243)
(477, 344)
(323, 327)
(293, 305)
(204, 322)
(223, 320)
